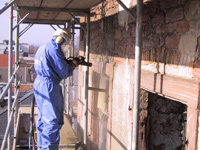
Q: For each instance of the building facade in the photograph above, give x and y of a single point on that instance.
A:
(25, 71)
(169, 103)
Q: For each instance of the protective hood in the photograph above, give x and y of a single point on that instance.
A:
(65, 46)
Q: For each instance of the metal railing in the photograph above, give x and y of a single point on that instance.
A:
(7, 6)
(9, 121)
(15, 102)
(8, 84)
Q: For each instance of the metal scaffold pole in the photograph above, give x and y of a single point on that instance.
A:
(137, 75)
(6, 7)
(10, 71)
(16, 65)
(68, 79)
(73, 35)
(86, 76)
(64, 80)
(72, 81)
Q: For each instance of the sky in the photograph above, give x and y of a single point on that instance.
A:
(37, 34)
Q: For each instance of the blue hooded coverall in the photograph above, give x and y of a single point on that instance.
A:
(51, 68)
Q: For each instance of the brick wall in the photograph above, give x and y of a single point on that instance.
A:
(170, 61)
(166, 32)
(23, 87)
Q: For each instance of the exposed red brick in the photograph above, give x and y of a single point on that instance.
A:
(122, 42)
(23, 88)
(96, 40)
(182, 26)
(172, 41)
(96, 33)
(104, 9)
(152, 55)
(170, 28)
(130, 48)
(152, 42)
(148, 30)
(143, 55)
(162, 55)
(161, 41)
(167, 56)
(158, 51)
(166, 4)
(150, 7)
(158, 18)
(146, 44)
(172, 57)
(158, 29)
(146, 19)
(119, 51)
(174, 15)
(191, 64)
(147, 55)
(155, 40)
(177, 58)
(199, 51)
(159, 55)
(126, 34)
(91, 35)
(133, 30)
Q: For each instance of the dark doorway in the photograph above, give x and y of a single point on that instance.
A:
(167, 123)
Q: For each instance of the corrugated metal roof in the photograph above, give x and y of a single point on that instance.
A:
(53, 11)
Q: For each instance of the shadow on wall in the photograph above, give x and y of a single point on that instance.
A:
(118, 141)
(92, 145)
(98, 111)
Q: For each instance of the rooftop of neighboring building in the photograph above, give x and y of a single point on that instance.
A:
(4, 60)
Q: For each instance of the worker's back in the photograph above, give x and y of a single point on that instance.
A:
(49, 62)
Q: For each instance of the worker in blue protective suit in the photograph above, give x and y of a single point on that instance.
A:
(51, 68)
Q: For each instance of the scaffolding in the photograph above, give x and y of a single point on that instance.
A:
(72, 12)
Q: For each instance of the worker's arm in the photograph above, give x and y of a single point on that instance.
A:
(60, 66)
(80, 60)
(74, 62)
